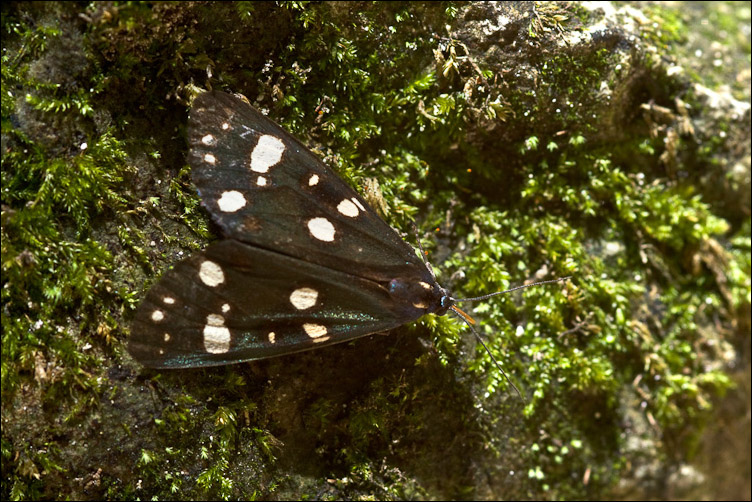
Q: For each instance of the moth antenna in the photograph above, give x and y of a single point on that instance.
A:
(453, 309)
(422, 251)
(466, 317)
(458, 300)
(470, 321)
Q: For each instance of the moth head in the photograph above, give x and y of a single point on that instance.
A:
(446, 302)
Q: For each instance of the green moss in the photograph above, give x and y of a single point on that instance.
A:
(56, 327)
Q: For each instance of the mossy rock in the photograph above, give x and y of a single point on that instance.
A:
(528, 141)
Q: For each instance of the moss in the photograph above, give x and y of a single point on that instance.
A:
(512, 177)
(57, 323)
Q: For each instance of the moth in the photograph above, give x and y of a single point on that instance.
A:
(304, 262)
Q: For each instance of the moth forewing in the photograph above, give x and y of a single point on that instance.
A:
(263, 187)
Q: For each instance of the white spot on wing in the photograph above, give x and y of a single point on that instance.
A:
(231, 201)
(225, 126)
(157, 315)
(316, 331)
(313, 180)
(357, 203)
(272, 337)
(267, 153)
(304, 298)
(166, 337)
(226, 308)
(216, 335)
(215, 320)
(168, 300)
(261, 181)
(425, 285)
(211, 274)
(208, 140)
(347, 208)
(322, 229)
(211, 159)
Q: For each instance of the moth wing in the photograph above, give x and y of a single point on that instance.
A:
(263, 187)
(235, 302)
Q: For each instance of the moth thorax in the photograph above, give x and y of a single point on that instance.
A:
(417, 294)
